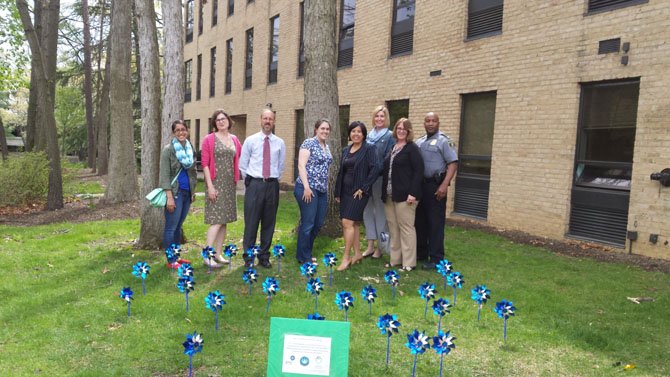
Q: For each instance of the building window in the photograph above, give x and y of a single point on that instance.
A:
(345, 54)
(301, 50)
(402, 30)
(229, 65)
(198, 77)
(344, 124)
(604, 161)
(189, 21)
(485, 18)
(212, 71)
(299, 138)
(231, 7)
(197, 135)
(187, 80)
(215, 12)
(200, 10)
(596, 6)
(273, 61)
(397, 109)
(249, 58)
(250, 1)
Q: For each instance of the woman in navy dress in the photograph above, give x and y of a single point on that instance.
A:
(358, 171)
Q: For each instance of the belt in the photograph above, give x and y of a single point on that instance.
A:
(437, 178)
(265, 179)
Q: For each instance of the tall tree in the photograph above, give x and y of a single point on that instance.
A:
(122, 179)
(151, 219)
(45, 50)
(173, 66)
(102, 122)
(88, 86)
(34, 137)
(321, 96)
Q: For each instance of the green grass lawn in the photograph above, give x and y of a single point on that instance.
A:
(61, 314)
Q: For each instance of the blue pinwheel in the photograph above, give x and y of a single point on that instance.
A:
(185, 285)
(230, 251)
(208, 254)
(249, 276)
(308, 270)
(480, 295)
(252, 253)
(427, 292)
(278, 251)
(270, 287)
(455, 280)
(417, 342)
(443, 343)
(441, 307)
(192, 345)
(329, 260)
(444, 267)
(185, 270)
(504, 309)
(393, 279)
(141, 270)
(127, 295)
(388, 324)
(314, 287)
(315, 317)
(171, 257)
(215, 301)
(344, 301)
(369, 293)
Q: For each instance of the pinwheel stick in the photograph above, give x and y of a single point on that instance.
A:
(128, 308)
(445, 283)
(190, 365)
(393, 289)
(505, 330)
(346, 315)
(439, 323)
(316, 303)
(216, 316)
(278, 265)
(249, 289)
(479, 312)
(267, 306)
(425, 310)
(230, 265)
(144, 288)
(455, 296)
(186, 299)
(414, 366)
(370, 307)
(388, 346)
(441, 360)
(330, 277)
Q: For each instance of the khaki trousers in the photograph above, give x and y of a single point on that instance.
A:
(400, 218)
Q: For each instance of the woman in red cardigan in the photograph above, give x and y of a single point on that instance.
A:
(220, 163)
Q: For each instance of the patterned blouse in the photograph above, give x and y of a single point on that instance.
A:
(317, 165)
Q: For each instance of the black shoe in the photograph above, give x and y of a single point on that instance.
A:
(265, 264)
(429, 266)
(248, 264)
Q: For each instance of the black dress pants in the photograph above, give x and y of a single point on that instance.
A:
(261, 201)
(429, 223)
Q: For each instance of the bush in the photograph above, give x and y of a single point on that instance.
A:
(24, 179)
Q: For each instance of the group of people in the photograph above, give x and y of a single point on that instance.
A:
(393, 184)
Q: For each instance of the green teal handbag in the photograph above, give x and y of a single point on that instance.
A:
(157, 197)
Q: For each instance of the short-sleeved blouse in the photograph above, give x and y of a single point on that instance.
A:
(317, 165)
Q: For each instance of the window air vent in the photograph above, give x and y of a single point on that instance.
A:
(609, 45)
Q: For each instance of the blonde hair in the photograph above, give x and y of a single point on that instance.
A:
(387, 117)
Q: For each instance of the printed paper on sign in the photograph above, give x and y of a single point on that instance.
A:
(306, 355)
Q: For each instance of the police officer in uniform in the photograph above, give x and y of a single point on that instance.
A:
(440, 165)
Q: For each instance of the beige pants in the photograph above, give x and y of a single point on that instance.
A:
(400, 218)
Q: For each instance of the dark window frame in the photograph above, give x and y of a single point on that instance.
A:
(301, 49)
(215, 12)
(212, 71)
(345, 44)
(248, 58)
(485, 19)
(273, 50)
(231, 7)
(229, 66)
(200, 14)
(395, 110)
(463, 156)
(188, 84)
(198, 78)
(188, 24)
(402, 32)
(600, 6)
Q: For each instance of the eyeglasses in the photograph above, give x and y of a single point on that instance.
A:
(180, 130)
(221, 119)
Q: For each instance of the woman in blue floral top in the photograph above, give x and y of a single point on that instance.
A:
(311, 188)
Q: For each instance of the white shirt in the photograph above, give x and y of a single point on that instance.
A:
(251, 160)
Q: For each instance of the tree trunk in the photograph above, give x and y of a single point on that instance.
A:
(32, 138)
(45, 50)
(88, 87)
(102, 122)
(122, 179)
(173, 72)
(321, 97)
(3, 141)
(151, 219)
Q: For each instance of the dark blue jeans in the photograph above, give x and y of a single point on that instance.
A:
(174, 220)
(312, 217)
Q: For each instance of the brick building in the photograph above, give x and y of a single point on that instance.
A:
(560, 108)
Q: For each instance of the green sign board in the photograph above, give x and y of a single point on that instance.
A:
(303, 348)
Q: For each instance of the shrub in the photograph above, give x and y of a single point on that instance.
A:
(24, 179)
